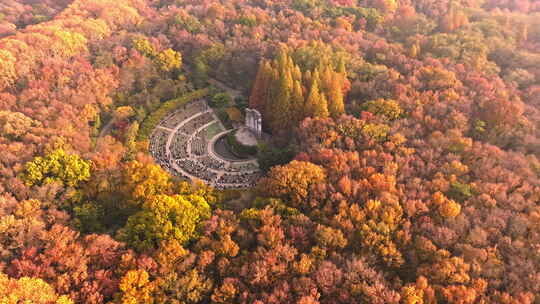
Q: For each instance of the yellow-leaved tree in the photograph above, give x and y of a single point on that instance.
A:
(57, 166)
(169, 60)
(143, 180)
(165, 217)
(29, 291)
(293, 181)
(136, 288)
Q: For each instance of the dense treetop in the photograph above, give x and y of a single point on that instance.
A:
(403, 165)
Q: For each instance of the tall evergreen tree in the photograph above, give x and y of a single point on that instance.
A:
(297, 73)
(307, 79)
(272, 93)
(326, 74)
(282, 59)
(316, 104)
(321, 109)
(285, 93)
(282, 104)
(297, 102)
(336, 105)
(259, 93)
(341, 67)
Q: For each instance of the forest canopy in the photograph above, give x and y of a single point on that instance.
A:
(401, 161)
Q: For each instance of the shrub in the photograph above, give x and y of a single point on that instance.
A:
(220, 100)
(270, 156)
(224, 118)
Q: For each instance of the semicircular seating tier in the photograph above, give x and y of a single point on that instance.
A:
(183, 144)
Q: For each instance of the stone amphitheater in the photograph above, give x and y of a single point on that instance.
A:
(183, 144)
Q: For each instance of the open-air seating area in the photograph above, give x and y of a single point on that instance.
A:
(240, 167)
(211, 130)
(198, 146)
(181, 147)
(242, 178)
(196, 169)
(183, 113)
(193, 125)
(158, 144)
(213, 163)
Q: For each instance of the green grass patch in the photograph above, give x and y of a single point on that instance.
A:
(213, 130)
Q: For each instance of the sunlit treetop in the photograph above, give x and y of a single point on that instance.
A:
(57, 166)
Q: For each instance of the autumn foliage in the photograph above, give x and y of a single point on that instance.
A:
(286, 92)
(412, 127)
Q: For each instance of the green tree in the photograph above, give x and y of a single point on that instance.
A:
(269, 156)
(57, 166)
(221, 100)
(88, 217)
(131, 138)
(377, 132)
(165, 217)
(169, 60)
(460, 191)
(387, 108)
(200, 72)
(144, 47)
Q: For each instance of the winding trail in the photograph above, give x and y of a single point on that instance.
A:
(106, 128)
